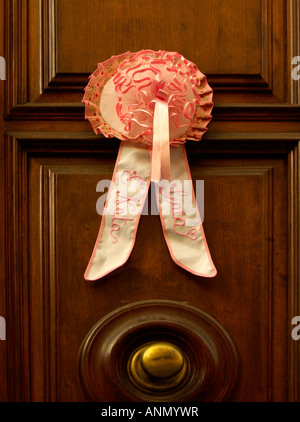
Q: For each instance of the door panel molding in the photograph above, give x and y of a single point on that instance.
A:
(32, 43)
(293, 267)
(33, 324)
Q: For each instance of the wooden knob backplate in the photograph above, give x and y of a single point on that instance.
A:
(108, 347)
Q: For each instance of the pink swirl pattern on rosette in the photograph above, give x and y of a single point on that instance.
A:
(120, 96)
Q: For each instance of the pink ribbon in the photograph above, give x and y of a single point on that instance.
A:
(160, 167)
(158, 99)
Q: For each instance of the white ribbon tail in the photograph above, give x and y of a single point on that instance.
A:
(186, 243)
(122, 211)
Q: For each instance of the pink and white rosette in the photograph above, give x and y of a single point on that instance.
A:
(153, 101)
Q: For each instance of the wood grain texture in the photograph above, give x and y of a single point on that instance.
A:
(161, 25)
(40, 36)
(249, 244)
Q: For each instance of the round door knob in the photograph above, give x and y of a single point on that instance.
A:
(162, 360)
(158, 366)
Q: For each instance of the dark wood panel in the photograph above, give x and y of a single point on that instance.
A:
(250, 199)
(171, 25)
(244, 66)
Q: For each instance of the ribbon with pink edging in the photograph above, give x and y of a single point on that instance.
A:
(153, 101)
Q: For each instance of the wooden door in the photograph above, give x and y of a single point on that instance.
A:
(52, 162)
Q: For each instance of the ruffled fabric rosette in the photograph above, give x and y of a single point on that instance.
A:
(153, 101)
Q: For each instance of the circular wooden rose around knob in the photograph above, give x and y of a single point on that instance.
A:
(158, 351)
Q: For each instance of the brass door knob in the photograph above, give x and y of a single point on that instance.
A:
(162, 360)
(158, 366)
